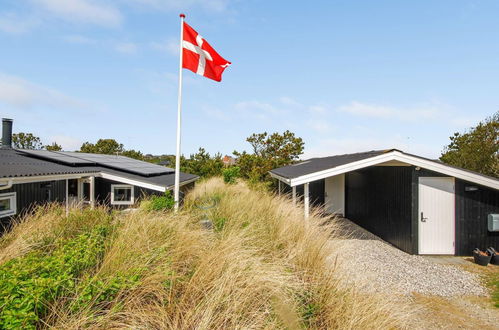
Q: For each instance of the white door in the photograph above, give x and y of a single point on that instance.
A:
(334, 194)
(436, 215)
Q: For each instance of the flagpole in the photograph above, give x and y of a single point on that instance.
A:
(176, 193)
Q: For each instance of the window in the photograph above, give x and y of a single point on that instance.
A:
(122, 194)
(8, 204)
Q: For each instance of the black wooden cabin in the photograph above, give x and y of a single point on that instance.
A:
(31, 177)
(419, 205)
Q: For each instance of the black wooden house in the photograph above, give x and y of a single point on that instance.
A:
(29, 177)
(419, 205)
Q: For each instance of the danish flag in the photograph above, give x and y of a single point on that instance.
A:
(199, 57)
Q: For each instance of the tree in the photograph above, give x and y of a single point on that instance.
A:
(269, 152)
(133, 154)
(110, 147)
(476, 149)
(202, 164)
(53, 147)
(103, 146)
(26, 141)
(283, 148)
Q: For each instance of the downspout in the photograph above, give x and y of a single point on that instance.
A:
(7, 186)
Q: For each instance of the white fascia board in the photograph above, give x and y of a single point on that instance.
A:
(445, 169)
(397, 155)
(342, 169)
(137, 183)
(55, 177)
(280, 178)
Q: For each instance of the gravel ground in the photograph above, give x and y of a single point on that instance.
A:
(385, 269)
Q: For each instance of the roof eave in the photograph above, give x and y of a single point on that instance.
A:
(392, 155)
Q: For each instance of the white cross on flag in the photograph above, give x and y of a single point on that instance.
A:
(199, 57)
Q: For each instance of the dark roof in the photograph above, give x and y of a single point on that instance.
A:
(315, 165)
(117, 162)
(319, 164)
(164, 180)
(16, 164)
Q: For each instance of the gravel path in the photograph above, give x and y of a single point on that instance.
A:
(385, 269)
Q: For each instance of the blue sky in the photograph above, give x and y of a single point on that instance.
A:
(345, 76)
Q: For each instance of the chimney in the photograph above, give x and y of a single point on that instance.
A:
(6, 133)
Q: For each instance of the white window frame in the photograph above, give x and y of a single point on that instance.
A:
(123, 186)
(13, 204)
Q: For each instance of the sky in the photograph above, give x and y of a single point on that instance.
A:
(346, 76)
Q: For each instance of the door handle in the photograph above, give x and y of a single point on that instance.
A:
(423, 219)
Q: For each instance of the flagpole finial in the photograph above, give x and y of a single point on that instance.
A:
(182, 15)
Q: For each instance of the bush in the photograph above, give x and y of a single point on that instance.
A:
(159, 203)
(231, 174)
(29, 284)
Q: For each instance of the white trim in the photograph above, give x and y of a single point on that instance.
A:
(8, 185)
(390, 156)
(13, 204)
(67, 196)
(132, 182)
(92, 192)
(123, 186)
(341, 169)
(53, 177)
(280, 178)
(445, 169)
(306, 200)
(114, 177)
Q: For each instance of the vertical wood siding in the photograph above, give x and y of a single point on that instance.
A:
(472, 208)
(29, 195)
(379, 199)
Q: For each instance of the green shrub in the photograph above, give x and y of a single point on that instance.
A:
(159, 203)
(231, 174)
(28, 284)
(95, 292)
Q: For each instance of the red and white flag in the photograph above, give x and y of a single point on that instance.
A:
(199, 57)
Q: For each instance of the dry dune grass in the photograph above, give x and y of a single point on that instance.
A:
(261, 267)
(43, 224)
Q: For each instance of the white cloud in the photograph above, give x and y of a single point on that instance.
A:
(22, 94)
(79, 39)
(318, 109)
(338, 146)
(465, 122)
(123, 47)
(170, 46)
(257, 109)
(319, 126)
(215, 113)
(416, 113)
(14, 24)
(82, 11)
(126, 47)
(289, 101)
(256, 105)
(68, 143)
